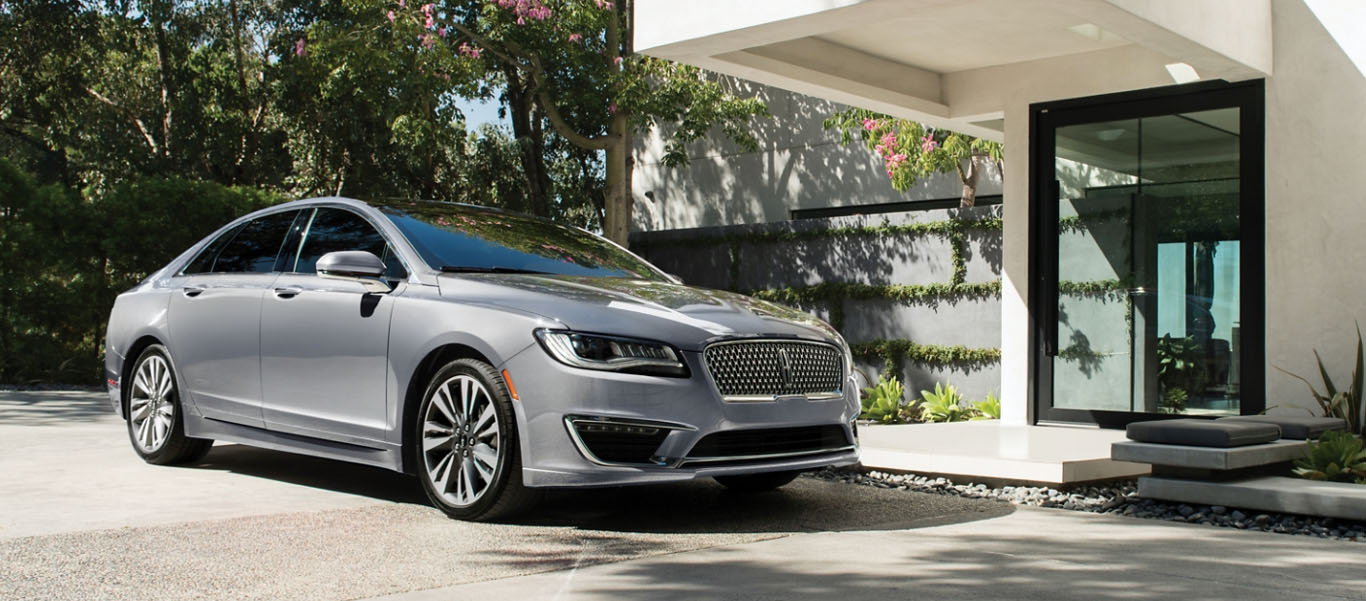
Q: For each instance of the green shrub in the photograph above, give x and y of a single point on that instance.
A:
(943, 405)
(65, 256)
(988, 408)
(883, 403)
(1336, 457)
(1174, 400)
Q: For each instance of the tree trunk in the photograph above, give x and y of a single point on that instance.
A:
(530, 144)
(969, 177)
(617, 200)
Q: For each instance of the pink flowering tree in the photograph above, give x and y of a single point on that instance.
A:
(568, 66)
(911, 151)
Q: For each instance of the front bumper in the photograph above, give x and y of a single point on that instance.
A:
(684, 411)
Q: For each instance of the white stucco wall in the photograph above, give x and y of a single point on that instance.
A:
(1315, 194)
(799, 165)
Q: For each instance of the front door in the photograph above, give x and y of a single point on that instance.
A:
(325, 342)
(1148, 208)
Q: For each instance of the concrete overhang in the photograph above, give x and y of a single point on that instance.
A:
(956, 63)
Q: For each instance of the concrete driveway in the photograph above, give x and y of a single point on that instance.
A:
(82, 518)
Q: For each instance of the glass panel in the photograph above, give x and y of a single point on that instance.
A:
(335, 230)
(1096, 170)
(456, 237)
(254, 248)
(1148, 268)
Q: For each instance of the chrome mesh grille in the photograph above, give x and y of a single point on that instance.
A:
(764, 368)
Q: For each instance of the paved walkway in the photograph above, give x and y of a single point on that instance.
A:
(82, 518)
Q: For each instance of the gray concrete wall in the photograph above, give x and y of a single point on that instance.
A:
(704, 257)
(798, 165)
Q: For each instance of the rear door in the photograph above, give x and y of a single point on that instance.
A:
(214, 318)
(325, 342)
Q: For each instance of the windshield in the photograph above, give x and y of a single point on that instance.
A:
(459, 238)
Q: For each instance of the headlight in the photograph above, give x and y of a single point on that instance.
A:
(611, 353)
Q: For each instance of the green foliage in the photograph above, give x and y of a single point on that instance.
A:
(943, 228)
(943, 405)
(1174, 400)
(883, 403)
(911, 151)
(894, 352)
(1343, 404)
(64, 257)
(1337, 457)
(1180, 365)
(988, 408)
(907, 293)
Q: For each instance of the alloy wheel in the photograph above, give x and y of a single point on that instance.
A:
(151, 406)
(461, 440)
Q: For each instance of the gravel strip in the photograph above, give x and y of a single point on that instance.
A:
(1117, 498)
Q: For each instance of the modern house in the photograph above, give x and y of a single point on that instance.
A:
(1183, 177)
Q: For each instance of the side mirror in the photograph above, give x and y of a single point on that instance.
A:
(358, 266)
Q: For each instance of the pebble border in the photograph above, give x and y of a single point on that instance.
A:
(1115, 498)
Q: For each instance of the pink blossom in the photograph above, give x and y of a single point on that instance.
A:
(603, 4)
(428, 41)
(403, 3)
(441, 32)
(927, 144)
(870, 124)
(616, 60)
(299, 47)
(612, 107)
(889, 139)
(391, 16)
(574, 37)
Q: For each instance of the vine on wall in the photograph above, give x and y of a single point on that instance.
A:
(833, 295)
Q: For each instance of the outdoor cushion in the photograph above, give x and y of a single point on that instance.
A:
(1203, 433)
(1296, 427)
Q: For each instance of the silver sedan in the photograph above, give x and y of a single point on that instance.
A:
(489, 353)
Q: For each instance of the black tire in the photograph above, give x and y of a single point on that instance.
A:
(757, 482)
(502, 494)
(162, 442)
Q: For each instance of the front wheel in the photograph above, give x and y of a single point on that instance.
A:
(156, 425)
(757, 482)
(467, 436)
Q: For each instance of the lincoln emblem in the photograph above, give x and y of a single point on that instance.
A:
(787, 368)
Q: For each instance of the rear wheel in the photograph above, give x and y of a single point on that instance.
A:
(757, 482)
(155, 422)
(466, 430)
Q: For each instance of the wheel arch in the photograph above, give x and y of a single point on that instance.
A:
(417, 384)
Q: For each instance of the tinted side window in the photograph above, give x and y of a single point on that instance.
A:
(337, 229)
(204, 262)
(254, 248)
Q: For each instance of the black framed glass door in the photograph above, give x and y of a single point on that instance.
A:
(1147, 210)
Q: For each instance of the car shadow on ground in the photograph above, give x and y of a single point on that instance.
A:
(701, 506)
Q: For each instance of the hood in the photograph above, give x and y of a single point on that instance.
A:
(685, 316)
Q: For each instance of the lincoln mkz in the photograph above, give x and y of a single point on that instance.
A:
(490, 354)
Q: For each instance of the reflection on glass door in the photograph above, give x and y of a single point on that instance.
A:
(1148, 264)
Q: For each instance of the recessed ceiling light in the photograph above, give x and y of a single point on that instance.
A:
(1110, 135)
(1182, 73)
(1092, 31)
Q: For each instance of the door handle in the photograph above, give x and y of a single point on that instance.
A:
(192, 291)
(288, 292)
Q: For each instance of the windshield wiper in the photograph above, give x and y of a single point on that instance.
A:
(473, 269)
